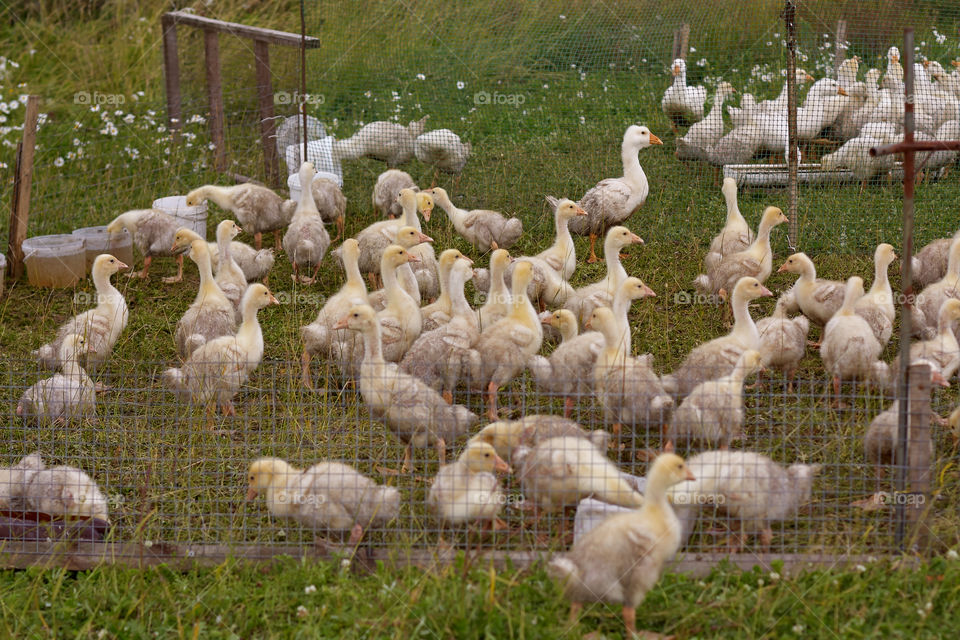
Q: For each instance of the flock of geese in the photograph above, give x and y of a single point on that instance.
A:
(411, 344)
(856, 114)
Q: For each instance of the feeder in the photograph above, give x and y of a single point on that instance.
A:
(293, 182)
(96, 241)
(56, 261)
(194, 218)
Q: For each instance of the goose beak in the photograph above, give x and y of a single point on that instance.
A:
(938, 379)
(581, 212)
(765, 292)
(251, 494)
(690, 475)
(545, 317)
(655, 140)
(843, 92)
(122, 265)
(424, 238)
(635, 239)
(587, 325)
(808, 77)
(239, 228)
(512, 259)
(341, 323)
(782, 268)
(273, 299)
(675, 70)
(427, 213)
(499, 464)
(648, 292)
(895, 59)
(412, 258)
(955, 63)
(463, 257)
(926, 63)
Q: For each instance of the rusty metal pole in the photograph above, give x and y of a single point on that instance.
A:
(901, 456)
(790, 18)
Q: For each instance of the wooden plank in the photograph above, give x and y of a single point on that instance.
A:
(211, 41)
(839, 53)
(268, 128)
(675, 51)
(171, 73)
(270, 36)
(684, 40)
(22, 180)
(920, 445)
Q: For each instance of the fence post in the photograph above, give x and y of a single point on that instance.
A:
(22, 179)
(839, 52)
(211, 42)
(919, 446)
(681, 42)
(271, 162)
(171, 72)
(790, 20)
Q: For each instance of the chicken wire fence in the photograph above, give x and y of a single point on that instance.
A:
(173, 479)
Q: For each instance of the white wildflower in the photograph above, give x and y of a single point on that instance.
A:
(860, 568)
(420, 76)
(302, 612)
(129, 118)
(58, 162)
(368, 94)
(702, 62)
(310, 589)
(774, 576)
(563, 17)
(953, 555)
(693, 50)
(797, 629)
(583, 120)
(461, 84)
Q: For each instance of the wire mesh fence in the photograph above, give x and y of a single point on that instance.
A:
(542, 93)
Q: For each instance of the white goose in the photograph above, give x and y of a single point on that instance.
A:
(681, 103)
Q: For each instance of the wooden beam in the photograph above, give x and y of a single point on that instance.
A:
(839, 53)
(681, 42)
(171, 72)
(269, 36)
(271, 161)
(916, 145)
(211, 41)
(22, 180)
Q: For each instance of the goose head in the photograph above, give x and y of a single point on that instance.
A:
(228, 230)
(562, 320)
(724, 91)
(772, 216)
(257, 296)
(408, 237)
(797, 263)
(73, 347)
(619, 237)
(425, 204)
(439, 195)
(667, 470)
(749, 288)
(394, 256)
(679, 67)
(893, 55)
(637, 136)
(266, 472)
(522, 276)
(106, 264)
(803, 77)
(499, 261)
(568, 209)
(306, 175)
(196, 197)
(873, 77)
(884, 255)
(185, 238)
(361, 318)
(635, 289)
(481, 457)
(349, 251)
(449, 257)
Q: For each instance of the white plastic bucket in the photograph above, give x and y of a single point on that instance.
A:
(320, 153)
(3, 271)
(97, 240)
(293, 182)
(54, 261)
(191, 217)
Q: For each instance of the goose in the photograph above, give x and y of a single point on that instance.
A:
(441, 356)
(594, 570)
(817, 298)
(101, 326)
(629, 391)
(386, 141)
(257, 208)
(498, 302)
(399, 322)
(943, 349)
(406, 237)
(930, 263)
(740, 144)
(306, 240)
(319, 336)
(869, 95)
(876, 307)
(505, 436)
(329, 495)
(855, 156)
(930, 299)
(412, 410)
(152, 232)
(705, 134)
(14, 478)
(388, 185)
(820, 110)
(778, 106)
(211, 315)
(547, 286)
(214, 372)
(443, 149)
(483, 229)
(255, 264)
(934, 160)
(681, 103)
(378, 236)
(438, 312)
(562, 255)
(229, 276)
(600, 294)
(717, 357)
(614, 200)
(563, 373)
(755, 261)
(783, 340)
(742, 116)
(468, 490)
(63, 492)
(66, 396)
(505, 346)
(736, 235)
(849, 349)
(893, 77)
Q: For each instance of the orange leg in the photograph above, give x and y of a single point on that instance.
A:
(568, 403)
(305, 370)
(448, 396)
(630, 621)
(258, 240)
(593, 254)
(441, 450)
(492, 401)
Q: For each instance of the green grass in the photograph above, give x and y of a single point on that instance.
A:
(476, 601)
(170, 479)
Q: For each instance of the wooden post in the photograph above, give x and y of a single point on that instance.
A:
(839, 53)
(271, 162)
(22, 179)
(211, 41)
(792, 159)
(920, 444)
(681, 42)
(171, 72)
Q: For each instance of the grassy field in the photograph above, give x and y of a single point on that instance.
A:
(171, 479)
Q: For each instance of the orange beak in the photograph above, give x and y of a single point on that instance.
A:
(273, 299)
(427, 213)
(239, 229)
(938, 378)
(765, 292)
(926, 63)
(955, 63)
(341, 323)
(581, 212)
(499, 464)
(251, 494)
(587, 325)
(635, 239)
(122, 265)
(675, 70)
(690, 475)
(841, 91)
(412, 258)
(648, 292)
(424, 238)
(782, 268)
(655, 140)
(808, 77)
(463, 257)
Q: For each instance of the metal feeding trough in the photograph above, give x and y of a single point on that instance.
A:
(775, 175)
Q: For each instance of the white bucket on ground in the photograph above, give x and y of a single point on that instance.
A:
(3, 271)
(96, 240)
(54, 261)
(320, 153)
(293, 182)
(191, 217)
